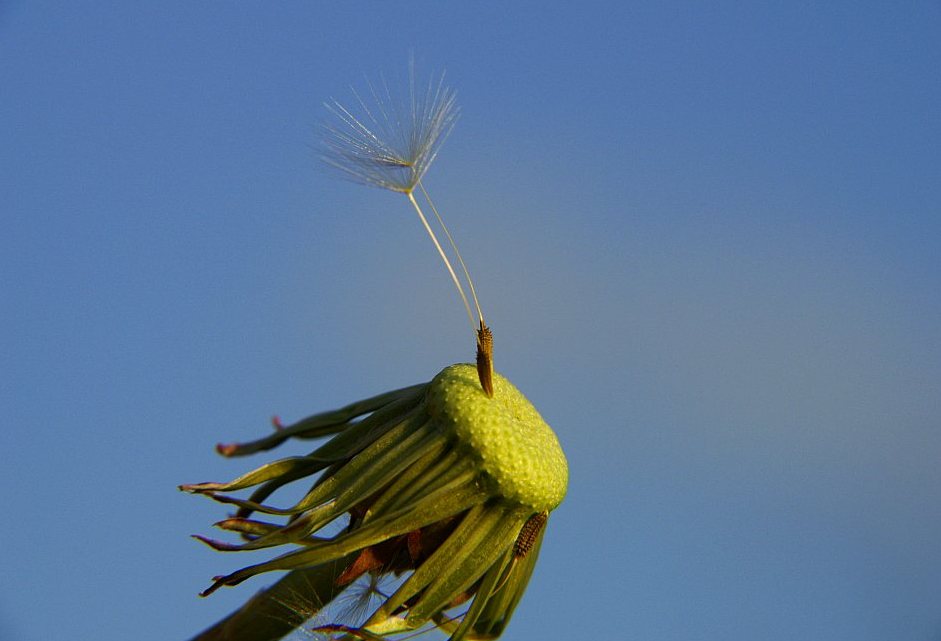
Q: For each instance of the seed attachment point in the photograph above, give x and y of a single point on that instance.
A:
(485, 358)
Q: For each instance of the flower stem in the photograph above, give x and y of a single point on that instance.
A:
(277, 611)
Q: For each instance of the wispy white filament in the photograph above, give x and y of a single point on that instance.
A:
(391, 143)
(444, 257)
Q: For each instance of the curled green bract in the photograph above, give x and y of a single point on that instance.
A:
(436, 484)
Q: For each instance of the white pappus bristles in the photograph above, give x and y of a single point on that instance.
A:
(390, 143)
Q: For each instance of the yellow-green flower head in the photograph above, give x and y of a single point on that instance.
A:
(518, 452)
(437, 483)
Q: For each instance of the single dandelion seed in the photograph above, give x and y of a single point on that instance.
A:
(391, 145)
(444, 488)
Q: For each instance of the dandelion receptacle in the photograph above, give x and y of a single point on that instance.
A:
(444, 487)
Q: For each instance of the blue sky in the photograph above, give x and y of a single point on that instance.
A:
(706, 237)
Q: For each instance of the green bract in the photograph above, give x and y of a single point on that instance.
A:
(436, 483)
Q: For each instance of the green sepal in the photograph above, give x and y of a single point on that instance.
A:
(435, 507)
(499, 607)
(492, 536)
(318, 425)
(298, 466)
(488, 585)
(356, 486)
(329, 487)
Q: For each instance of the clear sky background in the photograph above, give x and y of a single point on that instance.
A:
(706, 236)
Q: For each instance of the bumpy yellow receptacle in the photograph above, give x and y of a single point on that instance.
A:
(518, 452)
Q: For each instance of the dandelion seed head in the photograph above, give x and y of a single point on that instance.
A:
(443, 488)
(389, 141)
